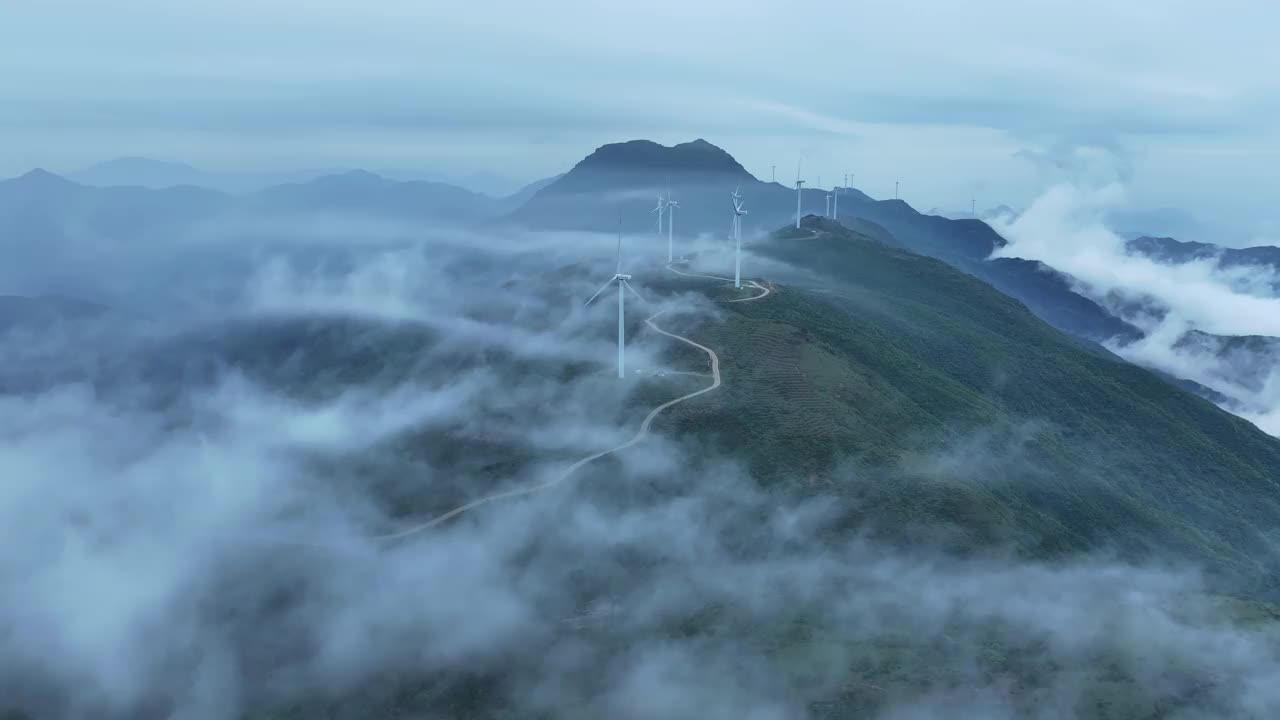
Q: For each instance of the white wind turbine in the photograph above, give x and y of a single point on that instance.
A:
(799, 185)
(621, 279)
(671, 225)
(662, 207)
(835, 208)
(828, 213)
(738, 212)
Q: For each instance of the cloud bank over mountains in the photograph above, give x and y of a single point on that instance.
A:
(200, 495)
(1066, 228)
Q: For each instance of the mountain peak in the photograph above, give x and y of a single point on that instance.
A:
(350, 179)
(642, 163)
(41, 175)
(358, 174)
(42, 180)
(699, 145)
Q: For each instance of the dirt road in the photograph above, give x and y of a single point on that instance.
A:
(640, 435)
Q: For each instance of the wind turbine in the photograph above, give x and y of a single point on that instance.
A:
(660, 209)
(835, 214)
(799, 186)
(738, 212)
(895, 189)
(621, 279)
(828, 213)
(671, 225)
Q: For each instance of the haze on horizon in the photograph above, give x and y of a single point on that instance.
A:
(951, 100)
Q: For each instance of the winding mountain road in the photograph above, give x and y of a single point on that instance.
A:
(640, 435)
(764, 289)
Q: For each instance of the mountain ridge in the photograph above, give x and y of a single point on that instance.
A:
(642, 163)
(629, 193)
(1171, 250)
(891, 349)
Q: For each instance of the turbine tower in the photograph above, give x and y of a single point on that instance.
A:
(671, 226)
(799, 186)
(660, 209)
(835, 211)
(621, 279)
(738, 212)
(895, 189)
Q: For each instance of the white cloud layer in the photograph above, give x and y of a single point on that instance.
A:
(1065, 229)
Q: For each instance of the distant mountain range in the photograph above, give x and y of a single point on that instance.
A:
(160, 174)
(1128, 223)
(41, 212)
(1168, 222)
(1168, 250)
(989, 214)
(40, 206)
(617, 183)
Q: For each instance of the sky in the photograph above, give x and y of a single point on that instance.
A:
(950, 99)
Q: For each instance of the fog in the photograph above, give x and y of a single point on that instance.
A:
(200, 482)
(1065, 228)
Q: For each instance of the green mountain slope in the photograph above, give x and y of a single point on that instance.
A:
(937, 402)
(937, 409)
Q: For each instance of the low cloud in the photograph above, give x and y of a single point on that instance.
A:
(210, 541)
(1065, 228)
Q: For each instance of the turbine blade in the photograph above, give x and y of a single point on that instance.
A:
(633, 291)
(602, 289)
(619, 246)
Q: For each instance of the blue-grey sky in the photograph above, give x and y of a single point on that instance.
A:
(951, 98)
